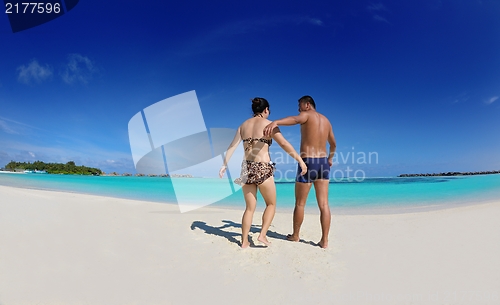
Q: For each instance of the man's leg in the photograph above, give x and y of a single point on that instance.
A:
(321, 188)
(301, 192)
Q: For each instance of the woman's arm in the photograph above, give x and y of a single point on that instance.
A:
(288, 148)
(230, 150)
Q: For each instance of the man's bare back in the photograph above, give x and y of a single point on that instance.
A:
(314, 137)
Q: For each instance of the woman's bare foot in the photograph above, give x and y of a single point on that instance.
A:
(263, 239)
(323, 244)
(245, 244)
(291, 237)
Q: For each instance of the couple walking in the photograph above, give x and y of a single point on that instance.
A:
(257, 168)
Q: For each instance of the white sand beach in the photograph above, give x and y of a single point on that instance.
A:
(65, 248)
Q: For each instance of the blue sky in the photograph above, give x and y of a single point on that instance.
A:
(416, 82)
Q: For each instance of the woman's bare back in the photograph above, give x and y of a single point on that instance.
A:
(255, 144)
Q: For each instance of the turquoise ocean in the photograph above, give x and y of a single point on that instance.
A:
(345, 196)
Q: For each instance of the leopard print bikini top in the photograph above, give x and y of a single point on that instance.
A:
(252, 141)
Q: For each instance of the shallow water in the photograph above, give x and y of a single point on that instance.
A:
(371, 193)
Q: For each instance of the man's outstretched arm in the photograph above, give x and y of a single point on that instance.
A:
(288, 121)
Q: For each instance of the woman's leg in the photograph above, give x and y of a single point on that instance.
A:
(268, 191)
(250, 195)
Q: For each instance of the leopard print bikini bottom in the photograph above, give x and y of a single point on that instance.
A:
(255, 172)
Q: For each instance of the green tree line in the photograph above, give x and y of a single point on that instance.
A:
(54, 168)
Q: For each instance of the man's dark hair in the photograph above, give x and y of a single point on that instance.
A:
(307, 99)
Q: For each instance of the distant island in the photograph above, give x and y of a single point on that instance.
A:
(451, 174)
(69, 168)
(149, 175)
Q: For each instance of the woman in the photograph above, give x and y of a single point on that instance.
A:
(257, 169)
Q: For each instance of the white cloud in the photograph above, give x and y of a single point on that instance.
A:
(461, 98)
(5, 127)
(377, 7)
(380, 18)
(78, 69)
(376, 10)
(15, 127)
(246, 26)
(33, 72)
(314, 21)
(491, 100)
(23, 156)
(214, 40)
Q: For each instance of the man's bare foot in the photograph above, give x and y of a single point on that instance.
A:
(263, 239)
(323, 244)
(245, 244)
(291, 237)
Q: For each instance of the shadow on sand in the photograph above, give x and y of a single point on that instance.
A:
(232, 236)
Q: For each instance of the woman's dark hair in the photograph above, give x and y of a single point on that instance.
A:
(259, 104)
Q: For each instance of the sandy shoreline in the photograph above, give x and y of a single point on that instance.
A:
(67, 248)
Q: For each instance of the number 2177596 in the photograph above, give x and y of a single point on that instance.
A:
(32, 8)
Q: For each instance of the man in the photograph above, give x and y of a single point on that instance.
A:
(316, 131)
